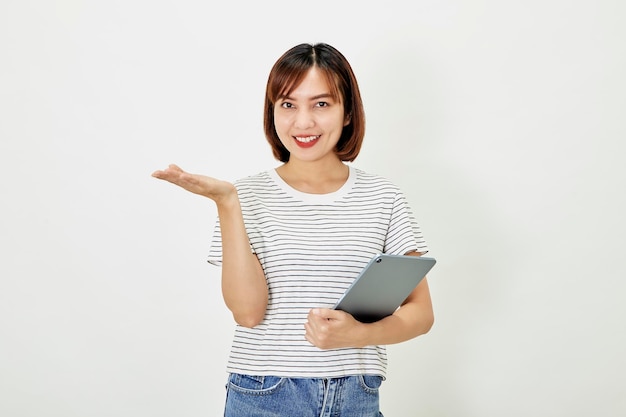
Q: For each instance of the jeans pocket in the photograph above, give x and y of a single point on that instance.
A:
(251, 384)
(371, 383)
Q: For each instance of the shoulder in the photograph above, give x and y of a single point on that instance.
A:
(372, 181)
(258, 189)
(256, 181)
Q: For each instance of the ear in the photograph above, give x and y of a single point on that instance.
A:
(347, 120)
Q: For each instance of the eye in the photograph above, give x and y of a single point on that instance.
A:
(286, 105)
(322, 104)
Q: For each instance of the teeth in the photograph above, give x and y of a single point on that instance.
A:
(306, 139)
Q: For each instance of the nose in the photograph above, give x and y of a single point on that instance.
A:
(304, 119)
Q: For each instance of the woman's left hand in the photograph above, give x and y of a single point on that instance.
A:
(333, 329)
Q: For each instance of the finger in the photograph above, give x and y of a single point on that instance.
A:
(327, 313)
(166, 175)
(175, 167)
(310, 340)
(162, 173)
(307, 333)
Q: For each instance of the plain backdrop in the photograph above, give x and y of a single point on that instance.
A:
(503, 121)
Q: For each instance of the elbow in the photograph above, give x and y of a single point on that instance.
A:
(427, 324)
(248, 322)
(248, 312)
(249, 319)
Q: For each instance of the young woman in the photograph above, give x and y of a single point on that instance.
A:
(291, 240)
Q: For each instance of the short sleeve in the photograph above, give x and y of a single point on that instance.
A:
(215, 250)
(404, 234)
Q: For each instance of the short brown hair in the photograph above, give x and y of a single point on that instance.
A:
(290, 70)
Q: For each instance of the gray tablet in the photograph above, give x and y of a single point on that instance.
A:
(382, 286)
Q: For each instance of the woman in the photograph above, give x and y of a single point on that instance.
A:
(290, 241)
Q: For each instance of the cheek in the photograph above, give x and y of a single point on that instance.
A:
(281, 121)
(281, 127)
(282, 131)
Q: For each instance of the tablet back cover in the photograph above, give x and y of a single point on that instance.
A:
(385, 282)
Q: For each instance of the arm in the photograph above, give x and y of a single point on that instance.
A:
(328, 329)
(244, 287)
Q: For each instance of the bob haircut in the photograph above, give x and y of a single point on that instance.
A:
(289, 71)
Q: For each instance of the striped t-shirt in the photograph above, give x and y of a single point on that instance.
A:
(311, 248)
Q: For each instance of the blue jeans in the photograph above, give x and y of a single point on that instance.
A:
(265, 396)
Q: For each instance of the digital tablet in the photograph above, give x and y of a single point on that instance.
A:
(382, 286)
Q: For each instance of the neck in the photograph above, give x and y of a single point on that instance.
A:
(314, 178)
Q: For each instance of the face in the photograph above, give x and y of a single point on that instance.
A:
(309, 122)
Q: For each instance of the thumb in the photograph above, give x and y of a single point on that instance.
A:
(326, 313)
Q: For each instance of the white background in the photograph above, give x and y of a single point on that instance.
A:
(503, 121)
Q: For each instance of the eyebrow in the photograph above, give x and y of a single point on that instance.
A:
(316, 97)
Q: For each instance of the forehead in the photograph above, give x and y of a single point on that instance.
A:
(314, 84)
(311, 82)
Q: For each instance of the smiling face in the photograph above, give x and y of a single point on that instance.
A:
(287, 74)
(310, 120)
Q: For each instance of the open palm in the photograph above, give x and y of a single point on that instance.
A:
(198, 184)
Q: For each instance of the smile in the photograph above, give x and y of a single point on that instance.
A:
(306, 139)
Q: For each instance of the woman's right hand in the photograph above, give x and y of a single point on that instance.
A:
(212, 188)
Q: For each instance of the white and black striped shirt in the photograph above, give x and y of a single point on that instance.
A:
(311, 248)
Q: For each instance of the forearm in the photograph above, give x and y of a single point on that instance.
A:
(399, 327)
(244, 287)
(414, 318)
